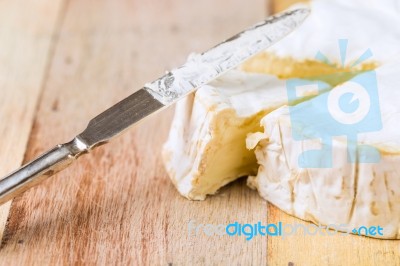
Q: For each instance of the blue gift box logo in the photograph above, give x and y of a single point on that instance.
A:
(342, 111)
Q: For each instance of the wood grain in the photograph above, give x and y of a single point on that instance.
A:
(26, 38)
(117, 206)
(280, 5)
(335, 249)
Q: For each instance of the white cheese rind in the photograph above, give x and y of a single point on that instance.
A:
(352, 194)
(206, 146)
(366, 24)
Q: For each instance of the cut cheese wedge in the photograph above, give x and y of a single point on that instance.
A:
(206, 148)
(339, 45)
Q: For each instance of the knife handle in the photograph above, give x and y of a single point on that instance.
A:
(40, 169)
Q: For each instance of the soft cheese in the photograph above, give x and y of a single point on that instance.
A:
(346, 193)
(366, 24)
(206, 146)
(352, 194)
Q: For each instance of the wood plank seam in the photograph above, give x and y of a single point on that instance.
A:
(49, 57)
(117, 205)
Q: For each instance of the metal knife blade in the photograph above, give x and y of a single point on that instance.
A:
(176, 84)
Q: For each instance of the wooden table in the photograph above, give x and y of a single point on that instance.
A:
(64, 61)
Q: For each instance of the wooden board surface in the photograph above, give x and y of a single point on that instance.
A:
(117, 206)
(26, 42)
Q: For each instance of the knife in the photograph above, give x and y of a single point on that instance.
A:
(155, 96)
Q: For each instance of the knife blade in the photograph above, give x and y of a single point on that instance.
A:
(155, 96)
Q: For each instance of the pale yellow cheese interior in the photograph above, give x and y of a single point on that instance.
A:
(226, 157)
(287, 67)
